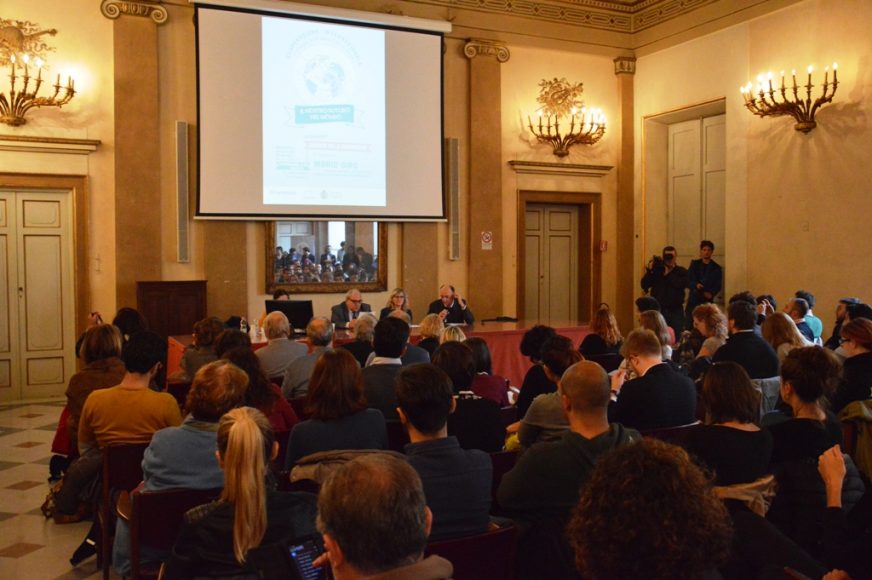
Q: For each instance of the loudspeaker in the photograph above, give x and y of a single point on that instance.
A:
(452, 193)
(183, 246)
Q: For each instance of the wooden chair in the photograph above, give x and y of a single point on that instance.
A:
(503, 462)
(179, 390)
(487, 555)
(397, 436)
(675, 435)
(155, 518)
(122, 471)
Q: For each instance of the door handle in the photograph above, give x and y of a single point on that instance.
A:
(21, 292)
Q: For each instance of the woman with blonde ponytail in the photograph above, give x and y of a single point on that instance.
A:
(244, 530)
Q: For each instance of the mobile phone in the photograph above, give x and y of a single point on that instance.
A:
(302, 553)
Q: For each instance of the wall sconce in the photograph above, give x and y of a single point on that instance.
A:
(558, 99)
(786, 100)
(20, 47)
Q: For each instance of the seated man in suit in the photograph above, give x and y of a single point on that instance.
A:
(345, 315)
(457, 482)
(451, 308)
(389, 343)
(659, 397)
(745, 346)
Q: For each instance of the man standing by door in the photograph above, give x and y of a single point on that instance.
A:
(666, 281)
(705, 277)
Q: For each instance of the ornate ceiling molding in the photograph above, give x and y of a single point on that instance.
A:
(478, 47)
(626, 16)
(550, 168)
(114, 9)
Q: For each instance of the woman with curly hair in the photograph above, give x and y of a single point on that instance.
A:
(712, 324)
(605, 336)
(649, 512)
(780, 331)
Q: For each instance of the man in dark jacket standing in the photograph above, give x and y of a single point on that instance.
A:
(666, 281)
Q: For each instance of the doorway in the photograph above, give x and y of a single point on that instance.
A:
(38, 289)
(558, 269)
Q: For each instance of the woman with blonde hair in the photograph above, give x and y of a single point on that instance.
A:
(780, 331)
(239, 534)
(654, 321)
(431, 329)
(398, 300)
(605, 337)
(712, 324)
(452, 334)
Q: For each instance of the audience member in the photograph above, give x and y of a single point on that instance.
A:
(841, 308)
(781, 333)
(338, 413)
(605, 336)
(711, 323)
(245, 532)
(361, 346)
(450, 307)
(184, 457)
(295, 383)
(797, 309)
(280, 350)
(744, 346)
(345, 315)
(766, 306)
(730, 444)
(262, 394)
(457, 482)
(546, 420)
(536, 382)
(485, 383)
(704, 280)
(398, 300)
(431, 329)
(202, 350)
(452, 334)
(373, 514)
(666, 281)
(660, 396)
(544, 486)
(100, 351)
(814, 323)
(654, 321)
(129, 321)
(229, 339)
(857, 381)
(389, 343)
(649, 512)
(476, 422)
(413, 354)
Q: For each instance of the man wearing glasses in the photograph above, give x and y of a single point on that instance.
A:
(345, 315)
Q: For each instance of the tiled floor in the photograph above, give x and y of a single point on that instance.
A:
(32, 547)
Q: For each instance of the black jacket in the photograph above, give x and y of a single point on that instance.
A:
(663, 397)
(750, 351)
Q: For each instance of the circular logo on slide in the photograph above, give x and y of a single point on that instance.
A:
(324, 78)
(323, 69)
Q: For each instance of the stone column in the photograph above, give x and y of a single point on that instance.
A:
(137, 144)
(485, 292)
(625, 69)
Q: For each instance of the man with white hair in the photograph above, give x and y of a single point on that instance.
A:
(345, 315)
(280, 351)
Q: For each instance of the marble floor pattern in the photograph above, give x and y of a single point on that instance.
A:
(32, 547)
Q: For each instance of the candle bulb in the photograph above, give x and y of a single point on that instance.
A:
(826, 74)
(835, 73)
(810, 68)
(793, 72)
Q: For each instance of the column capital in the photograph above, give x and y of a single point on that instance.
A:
(625, 65)
(114, 9)
(480, 47)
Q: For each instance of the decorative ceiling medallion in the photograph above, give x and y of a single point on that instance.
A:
(115, 8)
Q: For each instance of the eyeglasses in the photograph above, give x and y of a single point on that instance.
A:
(355, 301)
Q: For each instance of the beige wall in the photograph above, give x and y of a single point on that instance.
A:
(797, 204)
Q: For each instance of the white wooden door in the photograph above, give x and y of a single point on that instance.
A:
(37, 333)
(551, 263)
(697, 177)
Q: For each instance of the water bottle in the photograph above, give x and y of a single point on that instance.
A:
(243, 325)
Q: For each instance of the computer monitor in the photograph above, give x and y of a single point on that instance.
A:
(299, 312)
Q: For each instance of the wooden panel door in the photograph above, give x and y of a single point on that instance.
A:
(10, 388)
(551, 263)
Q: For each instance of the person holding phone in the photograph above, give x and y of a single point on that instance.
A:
(451, 307)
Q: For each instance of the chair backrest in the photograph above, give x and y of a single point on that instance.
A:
(675, 435)
(503, 462)
(282, 438)
(122, 466)
(487, 555)
(770, 393)
(179, 391)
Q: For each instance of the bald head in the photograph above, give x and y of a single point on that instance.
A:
(319, 331)
(587, 387)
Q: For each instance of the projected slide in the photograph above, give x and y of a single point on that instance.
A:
(323, 114)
